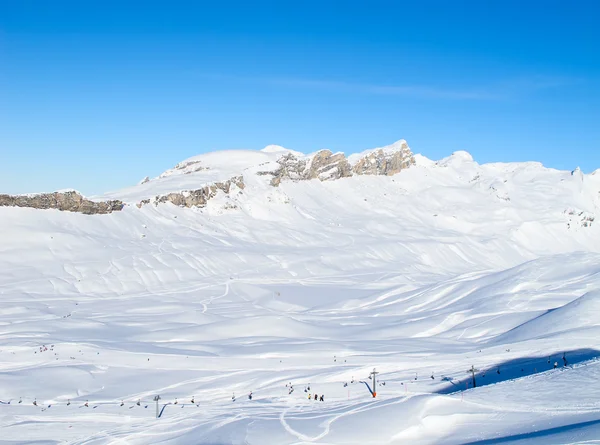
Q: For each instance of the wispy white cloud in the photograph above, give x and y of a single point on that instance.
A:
(505, 90)
(388, 90)
(498, 91)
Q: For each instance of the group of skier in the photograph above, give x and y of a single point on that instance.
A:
(321, 398)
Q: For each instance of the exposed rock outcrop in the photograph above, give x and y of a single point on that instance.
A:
(199, 197)
(326, 166)
(385, 162)
(67, 201)
(291, 168)
(323, 165)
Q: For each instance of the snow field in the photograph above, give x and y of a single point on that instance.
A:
(424, 273)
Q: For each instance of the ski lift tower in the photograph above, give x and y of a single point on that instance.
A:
(374, 376)
(156, 399)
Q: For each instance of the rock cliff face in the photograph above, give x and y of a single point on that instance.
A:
(380, 162)
(67, 201)
(326, 166)
(196, 198)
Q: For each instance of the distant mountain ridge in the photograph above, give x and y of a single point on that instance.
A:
(232, 173)
(277, 162)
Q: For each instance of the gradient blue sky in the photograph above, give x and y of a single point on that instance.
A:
(97, 95)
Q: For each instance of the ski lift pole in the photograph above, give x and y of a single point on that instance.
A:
(374, 374)
(156, 399)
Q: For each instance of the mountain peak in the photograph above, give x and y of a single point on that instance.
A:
(462, 155)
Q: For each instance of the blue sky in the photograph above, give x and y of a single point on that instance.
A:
(97, 95)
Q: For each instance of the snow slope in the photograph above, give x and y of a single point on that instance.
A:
(421, 275)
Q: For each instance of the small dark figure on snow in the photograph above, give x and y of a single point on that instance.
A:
(316, 397)
(322, 399)
(250, 396)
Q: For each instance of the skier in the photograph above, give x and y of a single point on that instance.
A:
(565, 360)
(555, 365)
(316, 397)
(322, 398)
(250, 396)
(309, 396)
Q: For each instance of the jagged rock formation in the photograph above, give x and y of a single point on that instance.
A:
(291, 168)
(199, 197)
(380, 162)
(67, 201)
(326, 166)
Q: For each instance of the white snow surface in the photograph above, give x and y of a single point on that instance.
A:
(421, 275)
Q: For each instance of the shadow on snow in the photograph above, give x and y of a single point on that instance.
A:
(537, 434)
(517, 368)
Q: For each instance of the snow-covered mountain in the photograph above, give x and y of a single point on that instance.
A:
(241, 271)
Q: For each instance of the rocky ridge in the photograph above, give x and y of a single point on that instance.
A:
(199, 197)
(70, 201)
(322, 165)
(326, 166)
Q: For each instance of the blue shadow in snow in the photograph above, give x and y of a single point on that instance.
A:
(536, 434)
(517, 368)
